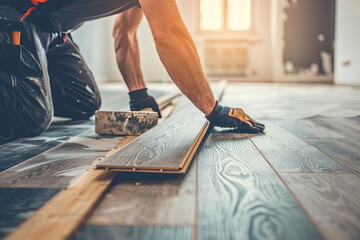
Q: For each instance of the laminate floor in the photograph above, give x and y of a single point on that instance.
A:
(298, 180)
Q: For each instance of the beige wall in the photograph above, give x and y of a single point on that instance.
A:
(347, 40)
(265, 46)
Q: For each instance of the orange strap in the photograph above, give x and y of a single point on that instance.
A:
(36, 2)
(16, 38)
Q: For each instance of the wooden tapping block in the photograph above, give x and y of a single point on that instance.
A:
(132, 123)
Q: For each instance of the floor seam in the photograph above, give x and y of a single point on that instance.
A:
(291, 192)
(341, 164)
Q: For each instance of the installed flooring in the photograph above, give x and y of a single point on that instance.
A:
(298, 180)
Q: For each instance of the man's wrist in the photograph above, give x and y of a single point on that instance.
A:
(207, 115)
(138, 94)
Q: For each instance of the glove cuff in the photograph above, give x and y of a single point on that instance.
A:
(212, 111)
(138, 94)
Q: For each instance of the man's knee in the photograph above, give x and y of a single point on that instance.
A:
(19, 120)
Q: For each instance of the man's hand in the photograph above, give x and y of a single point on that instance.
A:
(234, 118)
(139, 100)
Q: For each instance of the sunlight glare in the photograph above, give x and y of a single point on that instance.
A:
(211, 15)
(239, 14)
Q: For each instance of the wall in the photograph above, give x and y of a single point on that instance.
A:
(266, 58)
(347, 40)
(97, 47)
(302, 38)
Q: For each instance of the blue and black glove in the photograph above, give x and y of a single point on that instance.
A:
(234, 118)
(140, 99)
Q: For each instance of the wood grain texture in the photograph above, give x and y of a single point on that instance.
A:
(163, 146)
(305, 128)
(240, 196)
(346, 151)
(346, 127)
(288, 153)
(18, 204)
(63, 214)
(332, 200)
(20, 150)
(133, 233)
(167, 146)
(145, 199)
(59, 166)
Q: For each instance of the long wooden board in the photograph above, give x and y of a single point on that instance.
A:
(61, 165)
(344, 150)
(133, 233)
(241, 197)
(332, 200)
(166, 148)
(288, 153)
(146, 199)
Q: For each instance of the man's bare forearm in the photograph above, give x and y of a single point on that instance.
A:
(127, 50)
(178, 52)
(180, 58)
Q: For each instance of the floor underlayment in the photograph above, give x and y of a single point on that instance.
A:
(299, 180)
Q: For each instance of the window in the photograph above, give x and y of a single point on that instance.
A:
(226, 15)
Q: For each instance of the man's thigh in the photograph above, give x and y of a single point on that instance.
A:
(74, 91)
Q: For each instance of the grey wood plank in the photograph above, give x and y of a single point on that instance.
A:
(241, 197)
(149, 199)
(288, 153)
(18, 204)
(347, 127)
(133, 233)
(292, 101)
(59, 166)
(344, 150)
(305, 128)
(163, 146)
(332, 200)
(15, 152)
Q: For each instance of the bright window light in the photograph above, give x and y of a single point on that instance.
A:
(239, 14)
(211, 15)
(223, 15)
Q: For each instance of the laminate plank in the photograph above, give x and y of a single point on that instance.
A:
(344, 150)
(347, 127)
(241, 197)
(291, 101)
(18, 151)
(133, 233)
(332, 200)
(163, 146)
(61, 130)
(305, 128)
(18, 204)
(148, 199)
(167, 146)
(61, 165)
(288, 153)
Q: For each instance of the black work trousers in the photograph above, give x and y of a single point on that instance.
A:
(65, 86)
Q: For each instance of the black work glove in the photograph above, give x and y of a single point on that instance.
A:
(139, 100)
(234, 118)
